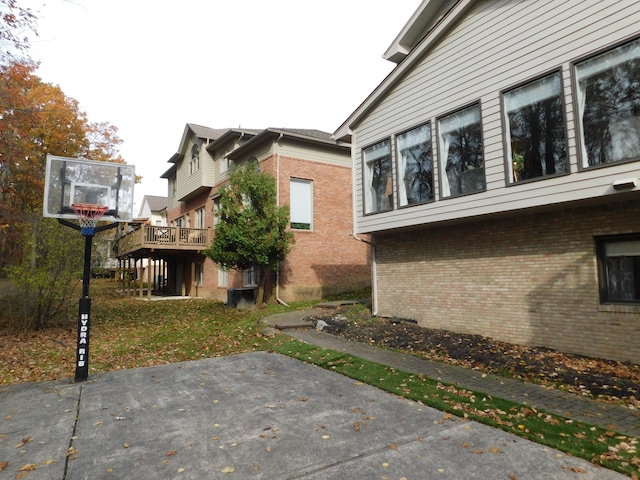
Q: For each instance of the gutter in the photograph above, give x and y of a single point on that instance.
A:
(354, 233)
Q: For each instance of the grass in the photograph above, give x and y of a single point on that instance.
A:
(128, 333)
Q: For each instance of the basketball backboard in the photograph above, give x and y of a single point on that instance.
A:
(80, 181)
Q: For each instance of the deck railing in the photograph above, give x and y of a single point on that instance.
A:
(155, 237)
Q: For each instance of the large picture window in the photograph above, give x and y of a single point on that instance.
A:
(619, 269)
(415, 166)
(378, 183)
(536, 142)
(608, 99)
(461, 159)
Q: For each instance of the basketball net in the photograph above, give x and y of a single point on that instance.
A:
(89, 215)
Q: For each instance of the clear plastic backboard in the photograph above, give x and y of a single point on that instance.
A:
(71, 181)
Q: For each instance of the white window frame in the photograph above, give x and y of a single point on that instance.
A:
(223, 277)
(201, 221)
(301, 204)
(199, 274)
(194, 163)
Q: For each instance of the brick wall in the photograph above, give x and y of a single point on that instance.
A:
(327, 259)
(530, 279)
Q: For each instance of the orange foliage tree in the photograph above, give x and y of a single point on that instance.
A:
(36, 119)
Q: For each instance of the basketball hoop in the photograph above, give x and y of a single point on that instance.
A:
(89, 215)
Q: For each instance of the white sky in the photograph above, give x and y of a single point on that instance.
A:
(151, 66)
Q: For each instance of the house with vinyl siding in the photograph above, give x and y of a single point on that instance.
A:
(497, 172)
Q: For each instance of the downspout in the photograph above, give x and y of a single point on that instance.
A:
(278, 299)
(354, 233)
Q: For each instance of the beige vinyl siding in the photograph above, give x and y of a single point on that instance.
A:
(314, 153)
(496, 45)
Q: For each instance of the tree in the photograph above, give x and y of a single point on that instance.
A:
(36, 119)
(252, 231)
(15, 22)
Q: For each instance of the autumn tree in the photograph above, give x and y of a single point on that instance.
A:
(252, 231)
(36, 119)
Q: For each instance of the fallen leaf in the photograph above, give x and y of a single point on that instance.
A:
(180, 470)
(512, 476)
(3, 465)
(466, 445)
(495, 450)
(326, 437)
(356, 426)
(393, 446)
(109, 470)
(126, 445)
(574, 469)
(477, 451)
(23, 442)
(171, 453)
(47, 462)
(98, 423)
(28, 467)
(228, 470)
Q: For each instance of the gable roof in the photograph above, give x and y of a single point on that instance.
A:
(155, 202)
(431, 21)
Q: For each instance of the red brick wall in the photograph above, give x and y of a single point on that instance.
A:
(530, 279)
(323, 261)
(327, 259)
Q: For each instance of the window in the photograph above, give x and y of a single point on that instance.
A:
(415, 166)
(199, 274)
(194, 163)
(536, 141)
(216, 210)
(619, 269)
(301, 204)
(608, 100)
(200, 218)
(223, 277)
(461, 159)
(378, 183)
(250, 277)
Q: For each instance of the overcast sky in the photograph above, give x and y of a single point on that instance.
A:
(151, 66)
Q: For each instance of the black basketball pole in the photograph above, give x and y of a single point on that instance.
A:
(84, 306)
(84, 316)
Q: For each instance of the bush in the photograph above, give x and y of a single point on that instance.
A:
(43, 284)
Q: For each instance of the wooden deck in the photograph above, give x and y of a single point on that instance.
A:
(153, 238)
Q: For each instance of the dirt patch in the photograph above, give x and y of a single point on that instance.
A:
(606, 379)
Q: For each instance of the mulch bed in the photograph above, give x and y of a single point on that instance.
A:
(606, 379)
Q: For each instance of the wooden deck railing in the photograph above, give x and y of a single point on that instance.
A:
(154, 237)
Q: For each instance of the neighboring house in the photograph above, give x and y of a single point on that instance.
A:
(313, 175)
(497, 171)
(153, 210)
